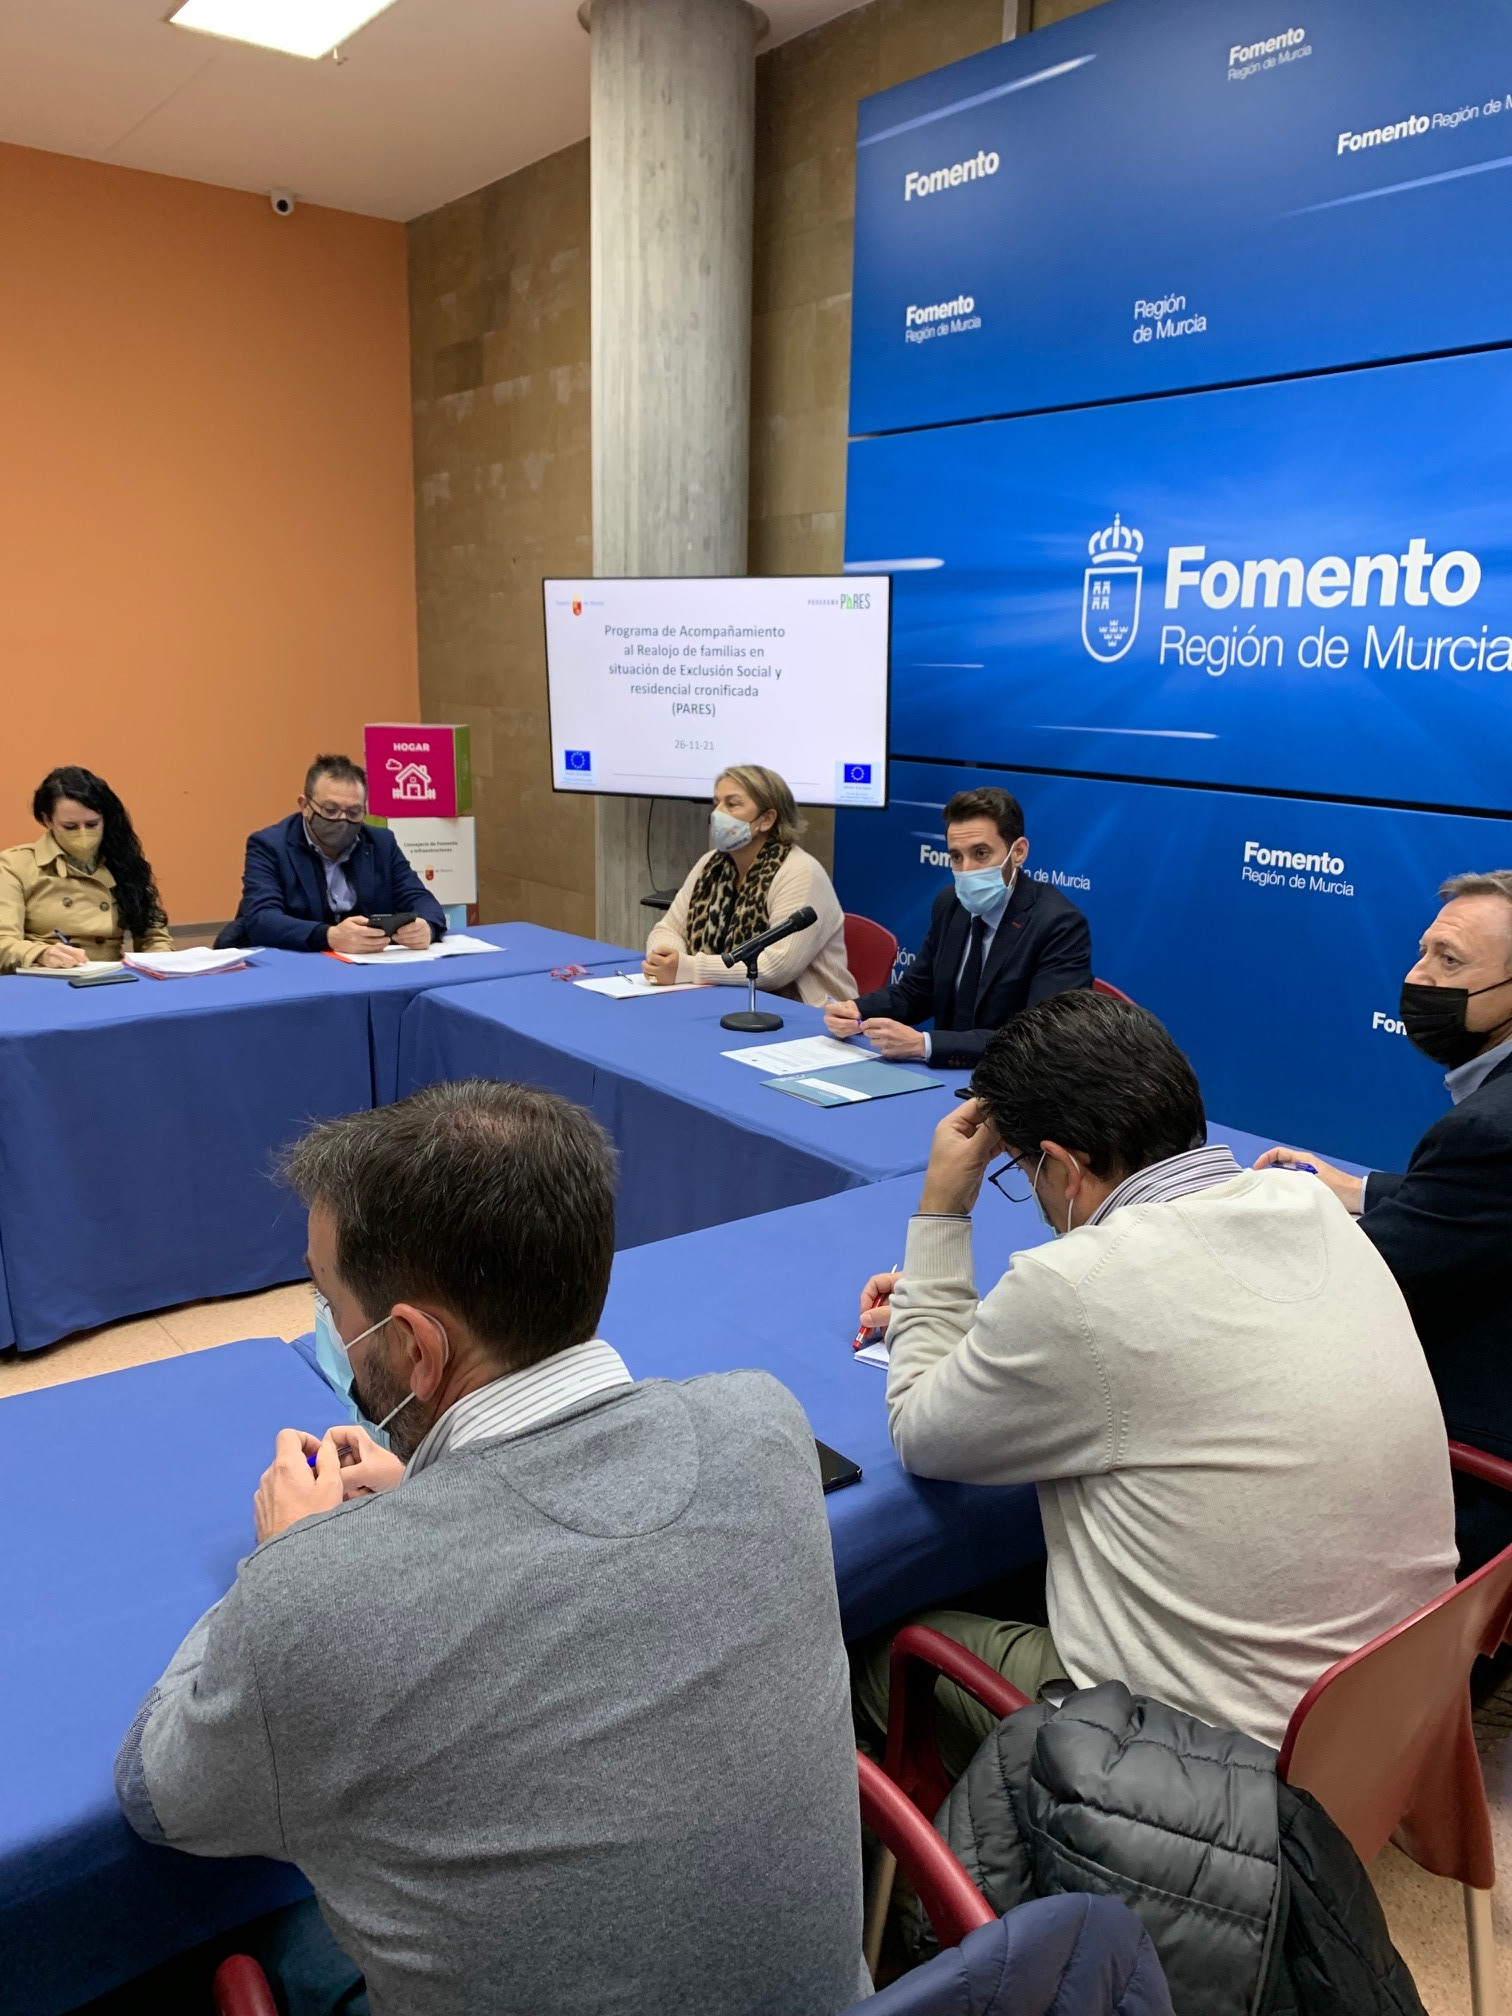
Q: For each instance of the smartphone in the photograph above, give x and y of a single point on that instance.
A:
(391, 922)
(102, 979)
(835, 1470)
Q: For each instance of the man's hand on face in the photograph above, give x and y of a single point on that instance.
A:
(355, 934)
(290, 1490)
(964, 1143)
(893, 1040)
(1350, 1190)
(414, 937)
(366, 1466)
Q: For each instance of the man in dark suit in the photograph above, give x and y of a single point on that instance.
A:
(1445, 1226)
(312, 881)
(997, 942)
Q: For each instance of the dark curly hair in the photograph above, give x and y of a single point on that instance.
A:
(137, 901)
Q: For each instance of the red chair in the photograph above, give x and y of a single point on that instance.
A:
(1383, 1740)
(952, 1903)
(1113, 993)
(870, 950)
(918, 1658)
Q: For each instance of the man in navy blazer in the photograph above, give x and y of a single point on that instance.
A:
(1444, 1226)
(312, 881)
(997, 942)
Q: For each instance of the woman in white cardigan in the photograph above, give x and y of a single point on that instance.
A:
(753, 876)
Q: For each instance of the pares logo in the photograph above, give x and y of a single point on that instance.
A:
(1112, 589)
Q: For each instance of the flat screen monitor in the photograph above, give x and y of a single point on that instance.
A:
(656, 686)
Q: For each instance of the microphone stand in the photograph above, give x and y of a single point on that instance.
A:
(753, 1020)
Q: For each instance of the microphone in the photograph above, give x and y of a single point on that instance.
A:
(799, 921)
(753, 1019)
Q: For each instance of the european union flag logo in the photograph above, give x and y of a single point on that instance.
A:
(578, 759)
(858, 773)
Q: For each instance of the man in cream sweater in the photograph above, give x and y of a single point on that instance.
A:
(1210, 1374)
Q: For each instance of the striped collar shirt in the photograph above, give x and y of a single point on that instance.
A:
(520, 1400)
(1177, 1176)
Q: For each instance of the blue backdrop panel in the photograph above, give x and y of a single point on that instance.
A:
(1138, 206)
(1280, 983)
(1030, 628)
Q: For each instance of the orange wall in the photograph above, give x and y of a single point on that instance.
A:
(206, 504)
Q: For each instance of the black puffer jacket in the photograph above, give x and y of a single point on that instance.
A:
(1255, 1902)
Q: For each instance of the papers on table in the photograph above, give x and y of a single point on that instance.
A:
(799, 1053)
(190, 964)
(455, 945)
(73, 972)
(855, 1084)
(632, 986)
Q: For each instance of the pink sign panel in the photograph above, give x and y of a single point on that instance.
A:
(412, 772)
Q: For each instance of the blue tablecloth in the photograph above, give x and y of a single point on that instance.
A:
(781, 1292)
(702, 1139)
(138, 1125)
(126, 1503)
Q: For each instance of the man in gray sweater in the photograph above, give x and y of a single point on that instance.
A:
(548, 1702)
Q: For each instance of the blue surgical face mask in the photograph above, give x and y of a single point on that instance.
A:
(727, 832)
(980, 888)
(334, 1356)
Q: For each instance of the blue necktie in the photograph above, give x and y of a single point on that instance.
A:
(971, 977)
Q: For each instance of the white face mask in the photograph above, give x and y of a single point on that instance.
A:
(727, 832)
(1059, 1231)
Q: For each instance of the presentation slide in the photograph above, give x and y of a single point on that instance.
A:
(1271, 935)
(1163, 194)
(1303, 586)
(656, 686)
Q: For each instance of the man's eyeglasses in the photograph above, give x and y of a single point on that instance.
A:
(353, 814)
(1012, 1180)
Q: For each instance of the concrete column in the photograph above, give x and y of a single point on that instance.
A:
(673, 123)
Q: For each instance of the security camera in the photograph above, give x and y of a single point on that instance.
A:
(282, 201)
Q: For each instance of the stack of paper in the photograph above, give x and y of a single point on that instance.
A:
(73, 972)
(190, 964)
(799, 1053)
(631, 986)
(874, 1353)
(455, 945)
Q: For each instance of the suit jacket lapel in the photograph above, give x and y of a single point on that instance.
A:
(364, 874)
(948, 968)
(307, 869)
(1020, 903)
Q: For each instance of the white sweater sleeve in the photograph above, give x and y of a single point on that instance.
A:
(798, 881)
(1009, 1390)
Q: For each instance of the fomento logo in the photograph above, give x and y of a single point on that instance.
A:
(1111, 591)
(934, 180)
(1279, 857)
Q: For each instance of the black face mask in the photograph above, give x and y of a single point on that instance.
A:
(337, 836)
(1434, 1018)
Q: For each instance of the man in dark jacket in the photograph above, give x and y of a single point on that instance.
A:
(312, 881)
(997, 942)
(1445, 1226)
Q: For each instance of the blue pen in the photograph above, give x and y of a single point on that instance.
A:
(1302, 1168)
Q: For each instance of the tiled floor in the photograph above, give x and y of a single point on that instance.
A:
(1424, 1912)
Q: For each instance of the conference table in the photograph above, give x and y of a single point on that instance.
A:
(702, 1139)
(140, 1125)
(125, 1501)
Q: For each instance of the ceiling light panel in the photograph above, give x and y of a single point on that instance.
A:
(295, 27)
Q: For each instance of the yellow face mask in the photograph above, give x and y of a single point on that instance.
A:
(81, 843)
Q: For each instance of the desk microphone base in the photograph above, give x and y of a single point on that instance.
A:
(751, 1020)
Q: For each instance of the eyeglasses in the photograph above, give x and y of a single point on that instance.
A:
(569, 972)
(353, 814)
(1012, 1171)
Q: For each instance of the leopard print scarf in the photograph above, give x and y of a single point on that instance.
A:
(724, 911)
